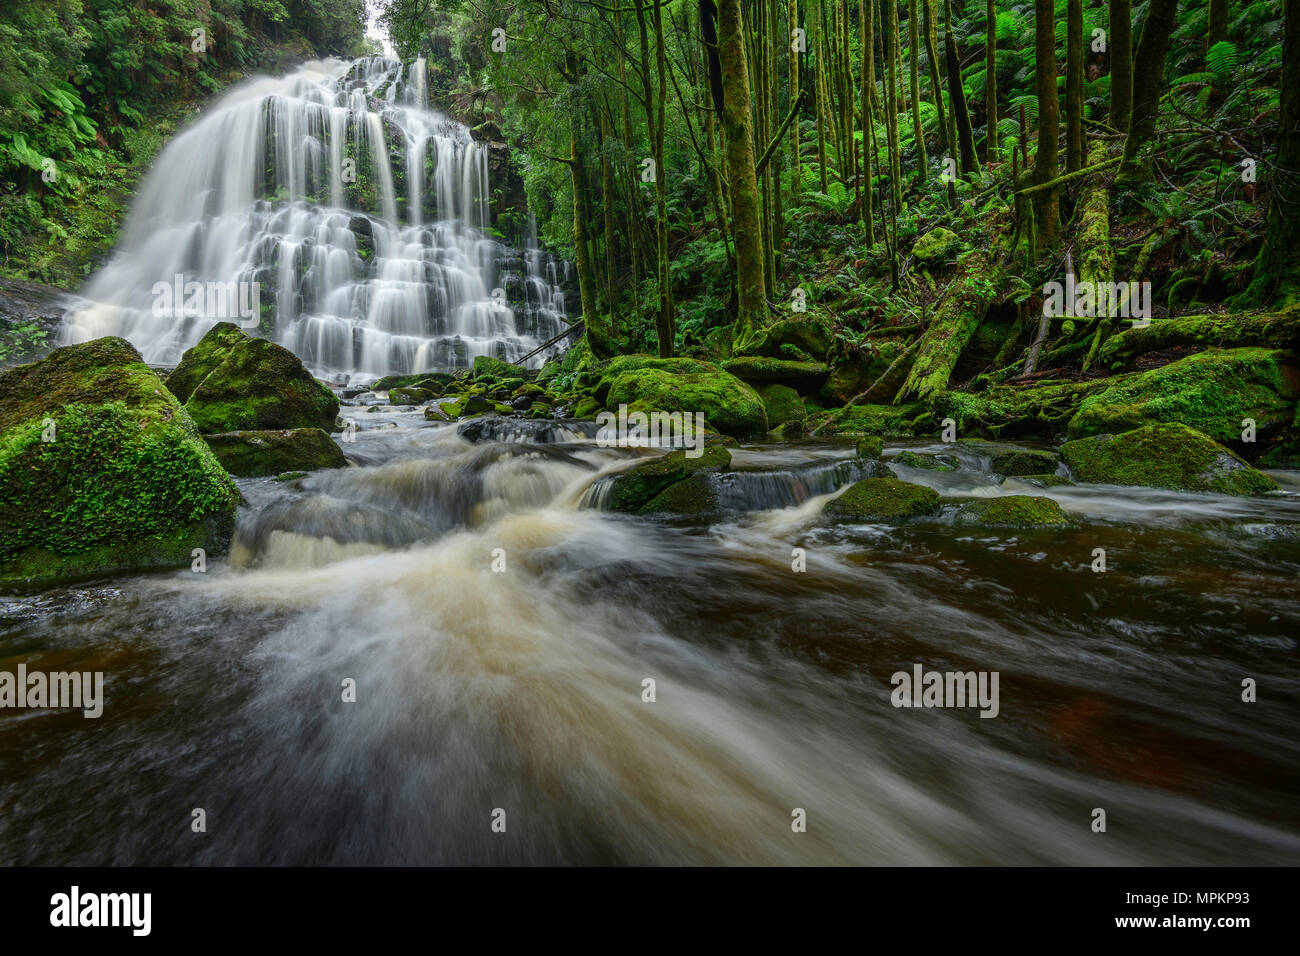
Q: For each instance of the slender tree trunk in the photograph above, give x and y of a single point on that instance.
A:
(1121, 63)
(1046, 165)
(738, 135)
(965, 139)
(823, 109)
(1073, 85)
(892, 58)
(936, 84)
(1148, 81)
(607, 201)
(991, 85)
(581, 248)
(868, 120)
(1218, 31)
(914, 60)
(796, 134)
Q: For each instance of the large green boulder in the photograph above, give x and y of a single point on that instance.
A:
(487, 368)
(255, 385)
(101, 470)
(783, 404)
(1211, 391)
(632, 491)
(1164, 456)
(883, 499)
(685, 385)
(807, 335)
(806, 376)
(1013, 511)
(260, 453)
(936, 245)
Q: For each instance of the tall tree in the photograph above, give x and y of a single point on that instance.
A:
(1121, 63)
(1046, 165)
(957, 95)
(990, 83)
(1073, 85)
(1148, 81)
(914, 62)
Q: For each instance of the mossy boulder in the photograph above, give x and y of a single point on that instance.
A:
(200, 361)
(101, 470)
(891, 421)
(912, 459)
(883, 499)
(1211, 391)
(870, 447)
(805, 376)
(409, 396)
(257, 385)
(488, 368)
(432, 413)
(632, 491)
(256, 454)
(587, 407)
(936, 245)
(1275, 330)
(693, 495)
(685, 385)
(854, 374)
(425, 380)
(1013, 511)
(783, 404)
(1041, 411)
(1169, 456)
(1024, 461)
(808, 335)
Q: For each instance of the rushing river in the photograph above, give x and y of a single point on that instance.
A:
(521, 689)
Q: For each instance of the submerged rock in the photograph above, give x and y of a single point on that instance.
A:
(246, 384)
(254, 454)
(874, 499)
(1164, 456)
(101, 470)
(1012, 511)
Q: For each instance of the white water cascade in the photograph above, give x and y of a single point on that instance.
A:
(361, 214)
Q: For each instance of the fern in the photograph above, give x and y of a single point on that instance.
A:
(1221, 60)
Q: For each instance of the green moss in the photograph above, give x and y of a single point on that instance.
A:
(632, 490)
(693, 495)
(200, 361)
(759, 368)
(810, 334)
(1211, 392)
(432, 413)
(887, 420)
(883, 499)
(260, 385)
(686, 385)
(126, 483)
(1012, 511)
(587, 407)
(937, 244)
(870, 447)
(1276, 330)
(408, 396)
(783, 404)
(1164, 456)
(424, 380)
(486, 367)
(1024, 461)
(1040, 412)
(913, 459)
(290, 476)
(259, 453)
(854, 374)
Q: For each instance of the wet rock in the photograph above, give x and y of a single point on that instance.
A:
(1052, 480)
(686, 385)
(913, 459)
(1012, 511)
(1024, 461)
(409, 396)
(255, 454)
(101, 470)
(870, 447)
(782, 404)
(30, 314)
(632, 491)
(883, 499)
(1164, 456)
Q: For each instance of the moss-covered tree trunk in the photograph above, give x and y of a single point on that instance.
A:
(1096, 257)
(596, 335)
(1121, 63)
(1074, 85)
(865, 30)
(1148, 83)
(1277, 269)
(891, 104)
(739, 138)
(665, 324)
(796, 135)
(1046, 165)
(914, 64)
(991, 83)
(936, 83)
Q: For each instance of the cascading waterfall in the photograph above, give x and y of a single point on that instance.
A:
(361, 215)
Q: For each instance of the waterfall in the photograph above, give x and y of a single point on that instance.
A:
(361, 215)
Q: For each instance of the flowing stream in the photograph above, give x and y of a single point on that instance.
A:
(520, 689)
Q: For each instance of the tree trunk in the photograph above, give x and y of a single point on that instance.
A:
(957, 95)
(991, 85)
(1121, 63)
(1148, 81)
(914, 60)
(1074, 46)
(1046, 166)
(738, 135)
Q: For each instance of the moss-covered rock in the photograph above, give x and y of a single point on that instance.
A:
(1024, 461)
(892, 421)
(409, 396)
(806, 376)
(1041, 411)
(1052, 480)
(488, 368)
(1164, 456)
(433, 413)
(1275, 330)
(810, 335)
(587, 407)
(101, 470)
(783, 404)
(936, 245)
(254, 454)
(631, 491)
(1012, 511)
(257, 385)
(870, 447)
(912, 459)
(425, 380)
(693, 495)
(854, 374)
(685, 385)
(200, 361)
(1211, 391)
(883, 499)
